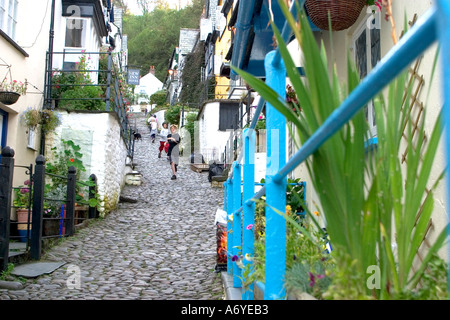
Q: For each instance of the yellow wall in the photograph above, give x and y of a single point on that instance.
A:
(222, 46)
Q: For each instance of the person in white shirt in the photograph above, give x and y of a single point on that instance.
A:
(163, 144)
(153, 127)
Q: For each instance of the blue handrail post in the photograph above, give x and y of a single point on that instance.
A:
(237, 228)
(248, 209)
(443, 30)
(229, 210)
(275, 247)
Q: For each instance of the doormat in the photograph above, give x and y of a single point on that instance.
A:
(36, 269)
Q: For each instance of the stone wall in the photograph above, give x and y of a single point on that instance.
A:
(104, 151)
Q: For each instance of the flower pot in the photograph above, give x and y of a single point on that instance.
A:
(22, 226)
(343, 13)
(9, 97)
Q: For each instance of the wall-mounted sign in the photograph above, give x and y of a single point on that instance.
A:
(134, 75)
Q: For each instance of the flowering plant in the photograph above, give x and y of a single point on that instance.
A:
(291, 99)
(378, 3)
(48, 119)
(22, 198)
(13, 86)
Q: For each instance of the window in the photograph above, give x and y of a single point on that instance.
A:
(228, 116)
(31, 138)
(67, 65)
(8, 17)
(2, 13)
(367, 51)
(76, 30)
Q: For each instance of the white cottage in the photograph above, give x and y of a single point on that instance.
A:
(148, 85)
(216, 120)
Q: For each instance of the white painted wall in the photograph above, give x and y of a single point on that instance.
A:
(104, 152)
(212, 141)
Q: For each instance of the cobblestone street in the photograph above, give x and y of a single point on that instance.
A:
(160, 247)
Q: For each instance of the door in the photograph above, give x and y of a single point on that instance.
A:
(3, 127)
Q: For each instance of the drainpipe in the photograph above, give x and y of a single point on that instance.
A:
(48, 79)
(243, 25)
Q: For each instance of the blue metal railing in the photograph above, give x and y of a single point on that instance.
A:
(433, 26)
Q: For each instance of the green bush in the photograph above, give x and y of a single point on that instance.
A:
(92, 94)
(172, 114)
(158, 98)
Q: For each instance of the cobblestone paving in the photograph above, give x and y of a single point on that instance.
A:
(161, 247)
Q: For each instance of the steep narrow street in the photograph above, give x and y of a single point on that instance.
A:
(160, 247)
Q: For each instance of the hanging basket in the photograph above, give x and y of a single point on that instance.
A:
(343, 13)
(9, 97)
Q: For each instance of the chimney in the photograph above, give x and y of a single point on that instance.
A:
(152, 70)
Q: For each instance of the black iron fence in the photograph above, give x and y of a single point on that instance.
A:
(33, 224)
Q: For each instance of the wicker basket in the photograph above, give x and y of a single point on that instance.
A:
(343, 13)
(8, 97)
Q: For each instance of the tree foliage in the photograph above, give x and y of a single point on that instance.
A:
(153, 35)
(158, 98)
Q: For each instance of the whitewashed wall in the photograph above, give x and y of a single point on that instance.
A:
(212, 141)
(104, 152)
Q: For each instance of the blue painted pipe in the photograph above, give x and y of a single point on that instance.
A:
(275, 241)
(236, 224)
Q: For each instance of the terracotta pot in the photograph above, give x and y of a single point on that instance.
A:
(22, 226)
(22, 218)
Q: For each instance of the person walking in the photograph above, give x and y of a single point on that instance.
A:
(153, 127)
(174, 151)
(163, 144)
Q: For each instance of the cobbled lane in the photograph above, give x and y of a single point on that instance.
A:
(160, 247)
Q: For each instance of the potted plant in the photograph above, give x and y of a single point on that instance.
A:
(30, 118)
(48, 119)
(51, 218)
(10, 91)
(342, 14)
(23, 196)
